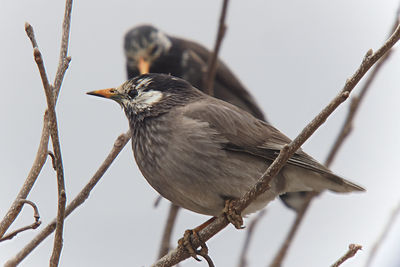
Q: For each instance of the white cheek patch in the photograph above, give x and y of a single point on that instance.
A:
(147, 99)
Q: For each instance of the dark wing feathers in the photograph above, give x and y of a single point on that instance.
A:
(266, 141)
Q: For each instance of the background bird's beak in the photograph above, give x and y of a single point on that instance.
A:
(107, 93)
(144, 66)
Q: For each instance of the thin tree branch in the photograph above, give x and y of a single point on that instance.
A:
(353, 248)
(38, 163)
(212, 62)
(383, 235)
(179, 253)
(53, 159)
(249, 235)
(41, 154)
(277, 262)
(343, 134)
(31, 34)
(34, 225)
(157, 201)
(356, 100)
(169, 225)
(58, 158)
(64, 60)
(119, 144)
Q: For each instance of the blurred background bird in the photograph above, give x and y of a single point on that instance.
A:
(148, 49)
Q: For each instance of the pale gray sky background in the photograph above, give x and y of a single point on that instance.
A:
(294, 56)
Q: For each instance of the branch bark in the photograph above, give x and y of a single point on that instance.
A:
(57, 155)
(119, 144)
(34, 225)
(353, 248)
(179, 254)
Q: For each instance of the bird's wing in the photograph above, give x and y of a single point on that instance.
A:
(250, 135)
(224, 77)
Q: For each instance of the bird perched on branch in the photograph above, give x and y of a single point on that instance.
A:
(199, 151)
(147, 49)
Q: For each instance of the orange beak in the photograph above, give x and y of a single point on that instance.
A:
(144, 66)
(107, 93)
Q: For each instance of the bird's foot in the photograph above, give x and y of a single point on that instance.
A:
(233, 216)
(190, 237)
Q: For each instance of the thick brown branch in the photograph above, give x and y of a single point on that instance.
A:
(353, 248)
(169, 225)
(261, 186)
(119, 144)
(34, 225)
(212, 62)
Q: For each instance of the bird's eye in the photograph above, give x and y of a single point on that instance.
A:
(133, 93)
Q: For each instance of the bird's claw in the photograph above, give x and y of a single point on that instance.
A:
(189, 237)
(233, 216)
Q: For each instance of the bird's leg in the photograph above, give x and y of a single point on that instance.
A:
(233, 216)
(190, 237)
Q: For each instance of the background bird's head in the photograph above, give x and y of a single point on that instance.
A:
(150, 94)
(143, 45)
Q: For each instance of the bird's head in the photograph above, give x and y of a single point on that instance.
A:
(150, 94)
(143, 45)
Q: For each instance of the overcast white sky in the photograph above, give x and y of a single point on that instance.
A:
(294, 56)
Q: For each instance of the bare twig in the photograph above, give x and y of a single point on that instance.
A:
(31, 34)
(169, 225)
(53, 159)
(262, 185)
(34, 225)
(293, 230)
(383, 235)
(356, 100)
(38, 163)
(57, 154)
(343, 134)
(353, 248)
(212, 62)
(64, 60)
(249, 235)
(119, 144)
(41, 154)
(157, 201)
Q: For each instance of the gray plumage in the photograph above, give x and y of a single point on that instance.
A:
(198, 151)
